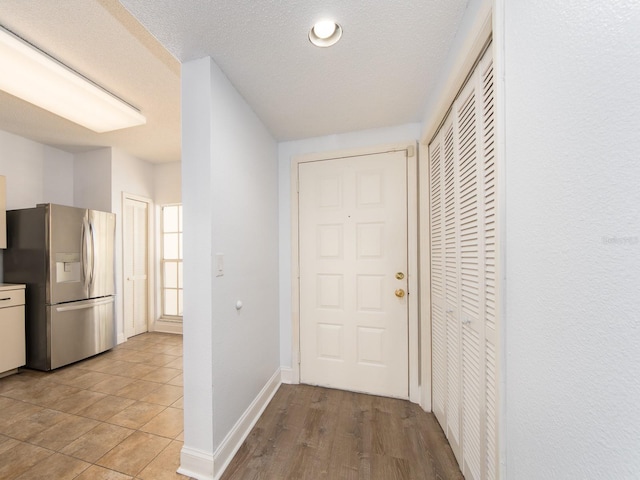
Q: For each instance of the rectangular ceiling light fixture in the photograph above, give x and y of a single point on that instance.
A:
(34, 76)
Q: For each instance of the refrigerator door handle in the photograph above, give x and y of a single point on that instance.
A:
(85, 254)
(84, 305)
(92, 236)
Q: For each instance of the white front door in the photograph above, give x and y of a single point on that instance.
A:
(136, 265)
(353, 273)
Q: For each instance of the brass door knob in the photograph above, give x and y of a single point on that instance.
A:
(399, 293)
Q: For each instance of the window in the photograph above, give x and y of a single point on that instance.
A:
(171, 261)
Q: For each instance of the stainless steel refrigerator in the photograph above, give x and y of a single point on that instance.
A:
(65, 256)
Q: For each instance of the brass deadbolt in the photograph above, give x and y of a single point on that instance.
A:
(399, 275)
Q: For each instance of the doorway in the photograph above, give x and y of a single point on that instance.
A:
(135, 253)
(357, 269)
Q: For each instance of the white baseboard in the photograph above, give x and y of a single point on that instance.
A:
(164, 326)
(286, 375)
(204, 466)
(232, 442)
(196, 464)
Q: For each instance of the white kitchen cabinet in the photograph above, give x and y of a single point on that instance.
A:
(12, 336)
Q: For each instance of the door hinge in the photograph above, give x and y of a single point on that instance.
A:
(411, 151)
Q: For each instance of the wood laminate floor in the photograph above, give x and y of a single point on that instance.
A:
(317, 433)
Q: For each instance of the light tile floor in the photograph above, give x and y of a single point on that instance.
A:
(115, 416)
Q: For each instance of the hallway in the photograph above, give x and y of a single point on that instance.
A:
(118, 416)
(311, 432)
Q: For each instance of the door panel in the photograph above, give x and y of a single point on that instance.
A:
(136, 265)
(352, 242)
(490, 227)
(102, 228)
(470, 205)
(452, 286)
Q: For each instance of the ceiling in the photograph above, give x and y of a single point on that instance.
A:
(99, 39)
(379, 74)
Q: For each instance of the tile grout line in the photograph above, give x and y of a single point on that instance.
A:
(86, 370)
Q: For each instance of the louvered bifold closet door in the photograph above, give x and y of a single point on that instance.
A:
(463, 224)
(438, 320)
(490, 230)
(467, 116)
(452, 286)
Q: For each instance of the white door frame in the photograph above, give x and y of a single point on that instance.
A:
(150, 262)
(415, 373)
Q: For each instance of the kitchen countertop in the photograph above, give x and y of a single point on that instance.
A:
(11, 286)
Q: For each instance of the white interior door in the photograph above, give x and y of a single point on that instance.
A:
(136, 265)
(463, 226)
(353, 273)
(452, 287)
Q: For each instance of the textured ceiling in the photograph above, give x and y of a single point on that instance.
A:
(101, 40)
(379, 74)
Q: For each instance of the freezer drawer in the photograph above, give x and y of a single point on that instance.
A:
(80, 330)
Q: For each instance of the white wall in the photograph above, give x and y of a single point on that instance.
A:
(21, 161)
(197, 201)
(572, 242)
(28, 165)
(92, 180)
(245, 229)
(286, 151)
(231, 207)
(130, 175)
(167, 183)
(58, 176)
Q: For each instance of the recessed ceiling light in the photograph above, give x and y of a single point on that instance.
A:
(325, 33)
